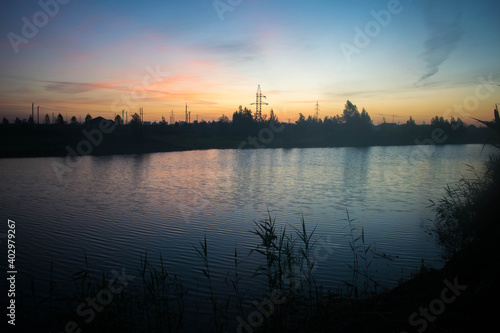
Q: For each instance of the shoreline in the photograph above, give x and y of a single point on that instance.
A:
(80, 140)
(13, 155)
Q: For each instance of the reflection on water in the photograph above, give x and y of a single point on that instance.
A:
(114, 208)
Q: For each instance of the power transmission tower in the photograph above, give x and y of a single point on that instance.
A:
(258, 104)
(316, 113)
(172, 118)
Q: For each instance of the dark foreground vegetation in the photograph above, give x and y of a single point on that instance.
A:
(105, 137)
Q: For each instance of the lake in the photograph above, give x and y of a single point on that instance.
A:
(113, 209)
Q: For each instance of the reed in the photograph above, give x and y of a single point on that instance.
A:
(219, 308)
(289, 265)
(363, 255)
(163, 297)
(234, 283)
(466, 211)
(157, 302)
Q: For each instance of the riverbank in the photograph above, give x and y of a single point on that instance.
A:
(79, 140)
(460, 297)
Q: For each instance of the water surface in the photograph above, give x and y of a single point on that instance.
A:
(114, 208)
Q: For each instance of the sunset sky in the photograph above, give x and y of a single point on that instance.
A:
(417, 58)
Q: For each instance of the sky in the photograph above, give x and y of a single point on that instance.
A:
(396, 59)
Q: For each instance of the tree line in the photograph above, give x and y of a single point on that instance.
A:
(353, 127)
(351, 117)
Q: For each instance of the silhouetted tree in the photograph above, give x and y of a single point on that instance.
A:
(365, 118)
(302, 119)
(351, 113)
(335, 120)
(31, 122)
(457, 124)
(74, 121)
(5, 121)
(118, 120)
(135, 125)
(88, 118)
(440, 122)
(242, 116)
(223, 119)
(272, 117)
(59, 120)
(163, 121)
(47, 119)
(410, 122)
(136, 120)
(17, 121)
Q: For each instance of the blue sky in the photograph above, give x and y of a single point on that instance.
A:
(100, 58)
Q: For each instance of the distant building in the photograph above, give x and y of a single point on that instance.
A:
(97, 121)
(384, 126)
